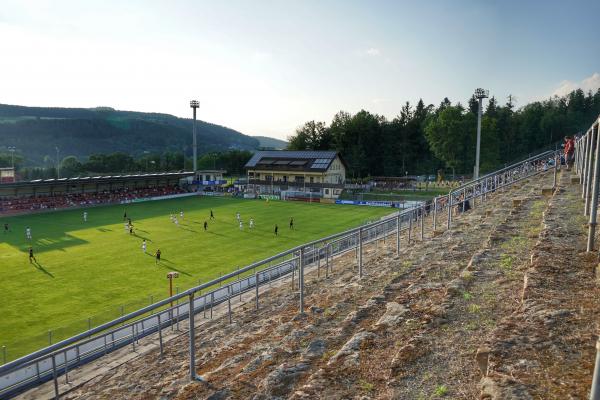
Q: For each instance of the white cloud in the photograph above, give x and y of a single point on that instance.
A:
(590, 83)
(373, 52)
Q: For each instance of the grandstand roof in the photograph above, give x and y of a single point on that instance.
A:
(317, 161)
(97, 179)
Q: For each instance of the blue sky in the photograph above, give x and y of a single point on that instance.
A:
(266, 67)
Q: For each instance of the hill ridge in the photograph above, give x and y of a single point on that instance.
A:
(36, 131)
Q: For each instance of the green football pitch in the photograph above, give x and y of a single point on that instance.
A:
(88, 273)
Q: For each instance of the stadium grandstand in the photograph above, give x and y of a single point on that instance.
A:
(21, 197)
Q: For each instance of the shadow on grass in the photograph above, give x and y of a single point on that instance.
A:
(40, 267)
(171, 267)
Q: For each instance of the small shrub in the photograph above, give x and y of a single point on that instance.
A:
(467, 296)
(472, 325)
(474, 308)
(328, 354)
(441, 390)
(366, 386)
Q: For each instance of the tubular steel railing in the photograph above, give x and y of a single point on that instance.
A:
(587, 167)
(58, 359)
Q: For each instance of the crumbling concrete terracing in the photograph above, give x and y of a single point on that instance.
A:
(425, 323)
(546, 348)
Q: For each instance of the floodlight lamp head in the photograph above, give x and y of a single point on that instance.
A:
(194, 104)
(481, 93)
(171, 275)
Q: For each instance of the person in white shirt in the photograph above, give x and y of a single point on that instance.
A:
(241, 226)
(28, 233)
(251, 223)
(85, 216)
(181, 214)
(144, 246)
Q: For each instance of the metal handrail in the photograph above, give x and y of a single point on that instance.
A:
(587, 166)
(348, 240)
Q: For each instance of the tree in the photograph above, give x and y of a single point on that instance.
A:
(70, 166)
(311, 136)
(448, 137)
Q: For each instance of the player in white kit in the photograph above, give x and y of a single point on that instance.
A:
(144, 246)
(251, 223)
(85, 216)
(28, 233)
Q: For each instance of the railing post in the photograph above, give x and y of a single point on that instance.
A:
(256, 283)
(229, 302)
(66, 368)
(585, 164)
(590, 172)
(55, 378)
(434, 217)
(422, 223)
(410, 223)
(193, 376)
(595, 391)
(160, 339)
(318, 259)
(556, 161)
(326, 260)
(360, 252)
(331, 257)
(301, 280)
(449, 203)
(398, 228)
(293, 274)
(594, 199)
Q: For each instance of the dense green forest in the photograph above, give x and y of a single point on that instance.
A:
(232, 161)
(35, 132)
(425, 138)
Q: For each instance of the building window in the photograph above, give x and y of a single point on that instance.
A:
(299, 179)
(312, 180)
(326, 191)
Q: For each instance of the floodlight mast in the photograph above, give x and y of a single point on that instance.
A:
(194, 104)
(480, 94)
(12, 152)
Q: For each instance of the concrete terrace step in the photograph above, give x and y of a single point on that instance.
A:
(359, 336)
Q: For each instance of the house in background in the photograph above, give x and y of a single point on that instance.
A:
(297, 174)
(207, 180)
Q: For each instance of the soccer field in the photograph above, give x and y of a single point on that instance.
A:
(89, 272)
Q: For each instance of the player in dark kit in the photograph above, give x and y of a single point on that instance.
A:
(124, 215)
(6, 227)
(292, 223)
(31, 256)
(212, 216)
(157, 256)
(276, 229)
(205, 225)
